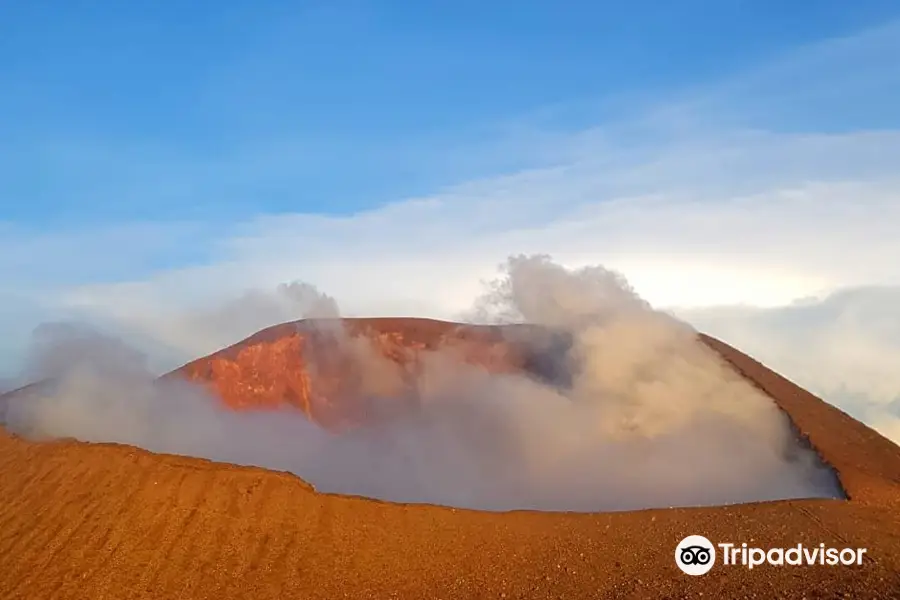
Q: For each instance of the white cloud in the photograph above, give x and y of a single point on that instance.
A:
(844, 347)
(775, 239)
(680, 246)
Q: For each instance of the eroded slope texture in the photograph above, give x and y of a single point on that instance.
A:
(336, 371)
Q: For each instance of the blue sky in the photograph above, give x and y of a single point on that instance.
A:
(164, 166)
(163, 110)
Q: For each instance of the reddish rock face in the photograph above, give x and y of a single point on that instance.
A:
(332, 370)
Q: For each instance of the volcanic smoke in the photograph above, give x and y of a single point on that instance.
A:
(637, 412)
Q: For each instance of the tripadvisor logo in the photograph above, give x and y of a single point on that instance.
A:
(696, 555)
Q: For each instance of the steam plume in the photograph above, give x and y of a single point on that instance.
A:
(639, 415)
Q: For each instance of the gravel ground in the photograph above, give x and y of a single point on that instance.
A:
(112, 522)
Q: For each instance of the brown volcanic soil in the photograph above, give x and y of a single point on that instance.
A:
(115, 522)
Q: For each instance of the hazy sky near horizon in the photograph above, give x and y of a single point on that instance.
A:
(159, 161)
